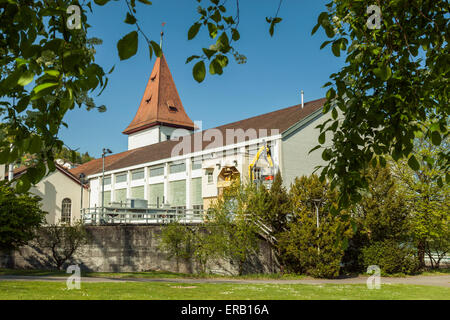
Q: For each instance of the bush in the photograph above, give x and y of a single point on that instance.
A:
(20, 216)
(307, 249)
(201, 244)
(382, 215)
(63, 241)
(177, 242)
(391, 257)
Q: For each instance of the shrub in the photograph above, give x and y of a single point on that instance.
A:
(20, 216)
(232, 224)
(381, 215)
(306, 248)
(391, 257)
(63, 241)
(177, 241)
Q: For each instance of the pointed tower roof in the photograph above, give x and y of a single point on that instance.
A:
(161, 104)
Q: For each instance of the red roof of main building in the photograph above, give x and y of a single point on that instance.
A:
(161, 103)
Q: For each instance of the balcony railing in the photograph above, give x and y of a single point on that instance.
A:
(124, 215)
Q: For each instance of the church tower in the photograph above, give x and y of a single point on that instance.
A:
(160, 112)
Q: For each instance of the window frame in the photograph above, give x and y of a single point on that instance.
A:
(66, 203)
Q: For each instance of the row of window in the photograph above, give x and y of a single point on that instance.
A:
(173, 168)
(177, 193)
(154, 172)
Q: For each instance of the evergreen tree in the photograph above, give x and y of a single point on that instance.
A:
(314, 241)
(272, 209)
(383, 211)
(383, 224)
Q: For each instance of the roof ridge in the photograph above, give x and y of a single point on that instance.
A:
(158, 84)
(267, 113)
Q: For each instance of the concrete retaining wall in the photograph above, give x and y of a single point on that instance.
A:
(126, 249)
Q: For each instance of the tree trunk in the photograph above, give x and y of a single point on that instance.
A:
(12, 259)
(421, 253)
(241, 267)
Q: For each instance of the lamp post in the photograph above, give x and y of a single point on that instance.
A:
(317, 204)
(105, 152)
(82, 181)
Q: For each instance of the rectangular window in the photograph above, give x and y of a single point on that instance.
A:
(137, 192)
(107, 198)
(252, 150)
(107, 180)
(196, 191)
(177, 167)
(177, 193)
(198, 209)
(66, 210)
(210, 176)
(155, 194)
(121, 177)
(120, 195)
(196, 164)
(156, 171)
(137, 174)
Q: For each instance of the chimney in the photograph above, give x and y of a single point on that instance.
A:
(303, 104)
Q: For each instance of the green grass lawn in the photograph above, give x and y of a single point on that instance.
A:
(210, 291)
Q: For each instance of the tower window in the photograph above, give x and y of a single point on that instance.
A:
(171, 106)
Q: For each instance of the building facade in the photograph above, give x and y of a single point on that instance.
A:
(62, 195)
(171, 163)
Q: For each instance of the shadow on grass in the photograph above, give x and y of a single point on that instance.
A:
(153, 274)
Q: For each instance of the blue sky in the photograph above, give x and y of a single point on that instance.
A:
(276, 70)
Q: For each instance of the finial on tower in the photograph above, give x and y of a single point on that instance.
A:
(162, 34)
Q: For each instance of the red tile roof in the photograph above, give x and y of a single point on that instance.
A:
(160, 103)
(17, 172)
(95, 165)
(280, 120)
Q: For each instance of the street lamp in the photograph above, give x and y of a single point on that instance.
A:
(317, 204)
(82, 177)
(105, 152)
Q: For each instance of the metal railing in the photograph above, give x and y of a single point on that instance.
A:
(124, 215)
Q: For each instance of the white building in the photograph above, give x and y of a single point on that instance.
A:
(188, 172)
(61, 193)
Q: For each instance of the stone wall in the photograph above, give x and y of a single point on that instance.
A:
(126, 249)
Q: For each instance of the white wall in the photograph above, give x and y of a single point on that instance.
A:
(154, 135)
(173, 133)
(94, 187)
(53, 189)
(143, 138)
(295, 159)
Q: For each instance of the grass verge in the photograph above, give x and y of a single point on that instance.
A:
(37, 290)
